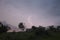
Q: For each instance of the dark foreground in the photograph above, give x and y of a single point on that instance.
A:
(29, 36)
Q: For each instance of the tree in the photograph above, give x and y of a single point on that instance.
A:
(3, 28)
(58, 28)
(28, 30)
(51, 28)
(21, 26)
(34, 27)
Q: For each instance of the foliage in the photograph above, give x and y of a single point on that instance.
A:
(34, 33)
(21, 26)
(3, 28)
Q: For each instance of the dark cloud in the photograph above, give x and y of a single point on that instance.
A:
(42, 11)
(55, 9)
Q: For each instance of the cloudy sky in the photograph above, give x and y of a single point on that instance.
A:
(31, 12)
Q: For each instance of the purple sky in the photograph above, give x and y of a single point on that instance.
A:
(31, 12)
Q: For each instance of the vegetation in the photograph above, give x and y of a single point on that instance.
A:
(3, 28)
(34, 33)
(21, 26)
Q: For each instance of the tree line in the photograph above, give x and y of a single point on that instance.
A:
(37, 30)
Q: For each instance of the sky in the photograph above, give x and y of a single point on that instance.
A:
(30, 12)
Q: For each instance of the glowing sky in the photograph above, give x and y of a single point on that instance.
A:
(31, 12)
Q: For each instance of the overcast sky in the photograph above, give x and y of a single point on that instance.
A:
(31, 12)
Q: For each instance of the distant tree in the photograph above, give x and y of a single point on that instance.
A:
(58, 28)
(28, 30)
(1, 24)
(40, 30)
(3, 28)
(21, 26)
(34, 27)
(51, 28)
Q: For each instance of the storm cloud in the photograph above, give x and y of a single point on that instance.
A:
(42, 12)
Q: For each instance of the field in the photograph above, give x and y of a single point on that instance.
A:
(29, 36)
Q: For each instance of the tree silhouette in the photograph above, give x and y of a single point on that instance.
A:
(34, 27)
(28, 30)
(51, 28)
(58, 28)
(3, 28)
(21, 26)
(40, 30)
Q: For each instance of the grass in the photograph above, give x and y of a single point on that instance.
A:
(29, 36)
